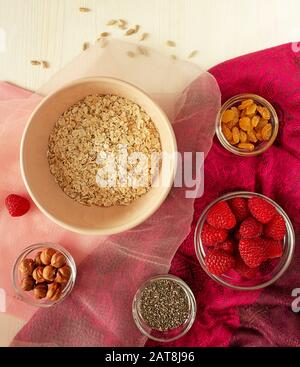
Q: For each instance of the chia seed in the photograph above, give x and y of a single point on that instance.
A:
(164, 305)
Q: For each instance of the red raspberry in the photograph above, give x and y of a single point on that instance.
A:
(16, 205)
(227, 246)
(273, 248)
(250, 228)
(244, 270)
(276, 228)
(252, 252)
(240, 208)
(219, 262)
(221, 216)
(211, 236)
(261, 210)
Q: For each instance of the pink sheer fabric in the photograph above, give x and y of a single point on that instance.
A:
(110, 269)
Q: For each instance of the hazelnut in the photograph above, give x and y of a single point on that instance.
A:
(58, 260)
(37, 259)
(63, 274)
(54, 291)
(46, 255)
(27, 283)
(49, 273)
(26, 266)
(38, 274)
(40, 290)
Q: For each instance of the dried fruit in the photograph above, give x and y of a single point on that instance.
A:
(27, 283)
(251, 136)
(38, 274)
(250, 110)
(227, 116)
(250, 228)
(16, 205)
(246, 146)
(252, 252)
(211, 236)
(58, 260)
(221, 216)
(37, 259)
(246, 103)
(243, 136)
(54, 291)
(26, 267)
(219, 262)
(227, 133)
(235, 135)
(46, 255)
(49, 273)
(255, 120)
(63, 274)
(266, 132)
(240, 208)
(261, 210)
(245, 123)
(276, 228)
(40, 291)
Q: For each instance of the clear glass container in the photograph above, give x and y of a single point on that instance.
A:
(30, 253)
(276, 267)
(172, 334)
(262, 146)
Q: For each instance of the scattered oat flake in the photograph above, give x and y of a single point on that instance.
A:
(103, 42)
(45, 64)
(174, 57)
(171, 43)
(130, 54)
(142, 50)
(122, 23)
(137, 28)
(35, 62)
(143, 36)
(129, 32)
(85, 46)
(193, 54)
(104, 34)
(112, 22)
(84, 10)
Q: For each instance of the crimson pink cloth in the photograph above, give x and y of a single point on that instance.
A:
(227, 317)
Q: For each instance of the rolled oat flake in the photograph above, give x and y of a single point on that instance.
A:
(164, 305)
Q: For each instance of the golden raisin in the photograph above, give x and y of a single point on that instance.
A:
(259, 136)
(251, 109)
(245, 123)
(266, 114)
(255, 120)
(251, 136)
(231, 124)
(246, 146)
(227, 116)
(266, 132)
(245, 104)
(262, 122)
(227, 133)
(235, 135)
(243, 136)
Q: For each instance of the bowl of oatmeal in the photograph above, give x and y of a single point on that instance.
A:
(98, 156)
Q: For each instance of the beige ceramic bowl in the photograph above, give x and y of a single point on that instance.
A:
(46, 193)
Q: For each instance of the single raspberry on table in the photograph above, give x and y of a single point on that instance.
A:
(252, 251)
(244, 270)
(219, 262)
(17, 205)
(250, 228)
(261, 210)
(276, 228)
(221, 216)
(240, 208)
(210, 235)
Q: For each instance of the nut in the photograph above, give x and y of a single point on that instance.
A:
(27, 283)
(40, 291)
(63, 274)
(38, 274)
(46, 256)
(58, 260)
(26, 266)
(54, 291)
(37, 259)
(49, 273)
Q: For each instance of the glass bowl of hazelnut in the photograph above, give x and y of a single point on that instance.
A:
(44, 274)
(247, 125)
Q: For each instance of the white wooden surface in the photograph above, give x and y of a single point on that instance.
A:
(54, 30)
